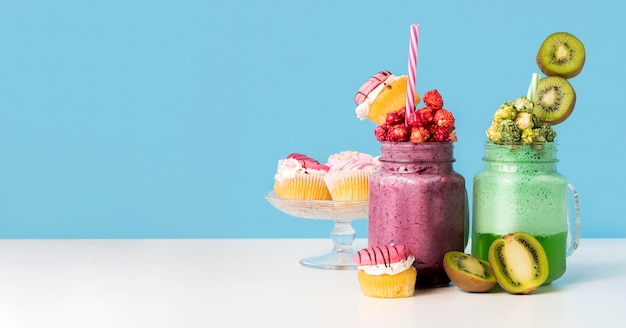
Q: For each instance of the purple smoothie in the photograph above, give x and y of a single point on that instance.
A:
(417, 200)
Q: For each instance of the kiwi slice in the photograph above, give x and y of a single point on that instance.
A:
(555, 100)
(561, 54)
(469, 273)
(519, 263)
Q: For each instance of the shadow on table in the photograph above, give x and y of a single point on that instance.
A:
(592, 270)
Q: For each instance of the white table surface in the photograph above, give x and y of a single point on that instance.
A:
(259, 283)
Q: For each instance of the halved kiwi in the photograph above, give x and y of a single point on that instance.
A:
(561, 54)
(555, 100)
(468, 273)
(519, 263)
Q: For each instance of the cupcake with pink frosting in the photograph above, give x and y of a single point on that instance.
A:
(301, 177)
(386, 271)
(348, 175)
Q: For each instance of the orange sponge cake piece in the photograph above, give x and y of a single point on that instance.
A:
(382, 94)
(391, 98)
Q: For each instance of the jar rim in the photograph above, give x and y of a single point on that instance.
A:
(536, 145)
(408, 152)
(517, 152)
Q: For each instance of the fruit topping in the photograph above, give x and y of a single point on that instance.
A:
(398, 133)
(549, 101)
(433, 99)
(519, 263)
(419, 134)
(425, 115)
(443, 134)
(429, 123)
(468, 273)
(555, 100)
(561, 54)
(394, 118)
(444, 118)
(381, 132)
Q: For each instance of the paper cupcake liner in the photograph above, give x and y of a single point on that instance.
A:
(350, 185)
(303, 186)
(388, 286)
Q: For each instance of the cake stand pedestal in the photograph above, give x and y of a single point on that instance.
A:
(341, 257)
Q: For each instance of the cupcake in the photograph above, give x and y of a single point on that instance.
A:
(386, 271)
(301, 177)
(348, 176)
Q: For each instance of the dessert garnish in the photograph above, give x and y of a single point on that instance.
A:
(429, 123)
(549, 101)
(469, 273)
(519, 263)
(383, 100)
(561, 54)
(515, 121)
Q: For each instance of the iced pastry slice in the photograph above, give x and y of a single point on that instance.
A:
(381, 94)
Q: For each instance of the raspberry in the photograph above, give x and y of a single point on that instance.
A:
(432, 128)
(396, 117)
(426, 115)
(419, 134)
(444, 118)
(442, 134)
(413, 119)
(381, 132)
(398, 132)
(433, 99)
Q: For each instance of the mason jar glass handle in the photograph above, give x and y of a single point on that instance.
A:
(573, 220)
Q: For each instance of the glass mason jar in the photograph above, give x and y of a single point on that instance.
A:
(416, 199)
(521, 190)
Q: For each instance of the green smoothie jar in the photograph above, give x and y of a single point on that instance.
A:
(521, 190)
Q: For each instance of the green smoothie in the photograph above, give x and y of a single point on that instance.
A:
(554, 245)
(520, 190)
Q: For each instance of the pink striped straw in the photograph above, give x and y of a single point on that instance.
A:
(410, 86)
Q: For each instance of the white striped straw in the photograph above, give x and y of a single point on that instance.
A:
(410, 86)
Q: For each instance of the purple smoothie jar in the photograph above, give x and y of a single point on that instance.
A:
(416, 199)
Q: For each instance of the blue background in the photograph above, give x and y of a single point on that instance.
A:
(166, 119)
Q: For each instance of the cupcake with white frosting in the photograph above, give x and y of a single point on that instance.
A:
(348, 175)
(386, 271)
(301, 177)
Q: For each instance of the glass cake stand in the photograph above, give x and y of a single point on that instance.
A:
(342, 234)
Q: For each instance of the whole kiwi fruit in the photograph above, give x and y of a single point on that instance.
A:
(561, 54)
(519, 263)
(467, 272)
(554, 100)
